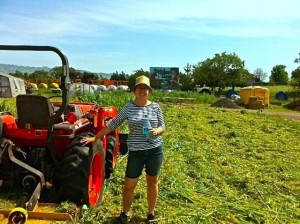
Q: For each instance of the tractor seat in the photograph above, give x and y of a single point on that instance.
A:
(33, 110)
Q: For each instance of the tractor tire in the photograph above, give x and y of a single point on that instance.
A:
(109, 158)
(82, 172)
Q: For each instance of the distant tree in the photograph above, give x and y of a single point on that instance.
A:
(26, 76)
(246, 78)
(17, 74)
(114, 76)
(220, 71)
(74, 74)
(295, 81)
(279, 75)
(295, 78)
(187, 69)
(57, 71)
(101, 77)
(297, 60)
(87, 76)
(39, 74)
(121, 77)
(186, 81)
(209, 72)
(260, 75)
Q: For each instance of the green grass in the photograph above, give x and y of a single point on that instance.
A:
(199, 98)
(220, 166)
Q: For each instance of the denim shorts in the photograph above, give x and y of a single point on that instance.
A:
(151, 159)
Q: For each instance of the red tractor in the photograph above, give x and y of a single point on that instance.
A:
(40, 148)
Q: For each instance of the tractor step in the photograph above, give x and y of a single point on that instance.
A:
(42, 214)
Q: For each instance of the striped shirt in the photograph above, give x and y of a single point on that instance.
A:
(135, 115)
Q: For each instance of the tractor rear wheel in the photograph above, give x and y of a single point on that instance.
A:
(82, 172)
(109, 157)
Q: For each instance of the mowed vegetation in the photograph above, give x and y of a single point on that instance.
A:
(220, 166)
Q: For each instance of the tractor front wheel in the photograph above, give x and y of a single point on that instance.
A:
(82, 172)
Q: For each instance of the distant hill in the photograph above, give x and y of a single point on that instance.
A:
(104, 75)
(7, 68)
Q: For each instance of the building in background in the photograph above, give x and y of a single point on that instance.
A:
(11, 86)
(165, 78)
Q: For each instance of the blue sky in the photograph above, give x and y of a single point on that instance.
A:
(116, 35)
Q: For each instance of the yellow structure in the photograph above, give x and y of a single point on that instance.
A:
(255, 91)
(43, 86)
(54, 85)
(33, 86)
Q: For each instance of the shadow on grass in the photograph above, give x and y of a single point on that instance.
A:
(133, 220)
(10, 194)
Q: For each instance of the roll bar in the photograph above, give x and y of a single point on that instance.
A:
(65, 85)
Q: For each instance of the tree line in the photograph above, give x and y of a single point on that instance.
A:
(222, 70)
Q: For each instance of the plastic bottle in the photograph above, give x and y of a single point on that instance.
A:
(146, 126)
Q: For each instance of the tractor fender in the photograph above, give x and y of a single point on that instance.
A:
(1, 130)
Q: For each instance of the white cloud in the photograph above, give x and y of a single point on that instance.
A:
(113, 23)
(218, 17)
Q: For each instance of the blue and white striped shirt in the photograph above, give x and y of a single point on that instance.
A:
(135, 115)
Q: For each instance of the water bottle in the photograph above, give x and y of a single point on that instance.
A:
(146, 126)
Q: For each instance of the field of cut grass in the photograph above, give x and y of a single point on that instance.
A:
(220, 166)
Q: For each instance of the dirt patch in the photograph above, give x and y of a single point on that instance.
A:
(295, 105)
(286, 115)
(226, 103)
(229, 104)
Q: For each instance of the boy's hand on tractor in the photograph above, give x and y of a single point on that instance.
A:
(86, 141)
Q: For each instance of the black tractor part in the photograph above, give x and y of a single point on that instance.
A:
(110, 150)
(81, 174)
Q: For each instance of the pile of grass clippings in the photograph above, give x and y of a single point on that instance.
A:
(225, 103)
(295, 105)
